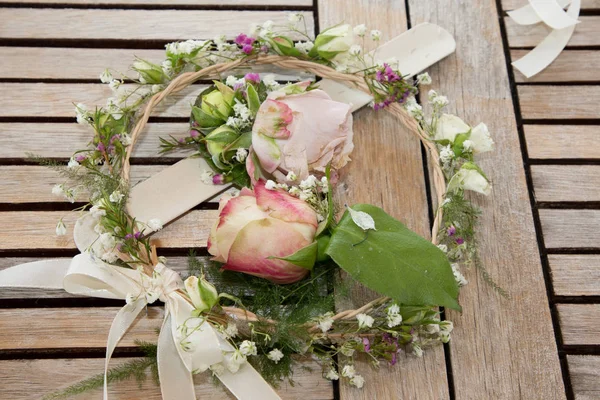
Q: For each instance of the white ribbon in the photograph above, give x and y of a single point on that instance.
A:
(551, 13)
(87, 275)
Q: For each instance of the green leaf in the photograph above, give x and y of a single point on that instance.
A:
(457, 146)
(394, 261)
(204, 120)
(253, 99)
(305, 257)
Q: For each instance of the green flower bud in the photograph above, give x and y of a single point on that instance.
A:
(284, 46)
(149, 73)
(217, 140)
(203, 294)
(217, 105)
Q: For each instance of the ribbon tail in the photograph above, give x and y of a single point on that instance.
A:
(526, 15)
(544, 53)
(176, 381)
(46, 274)
(125, 317)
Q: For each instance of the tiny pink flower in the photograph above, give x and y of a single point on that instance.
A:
(252, 77)
(194, 134)
(247, 49)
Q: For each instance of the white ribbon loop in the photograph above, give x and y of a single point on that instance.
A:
(550, 48)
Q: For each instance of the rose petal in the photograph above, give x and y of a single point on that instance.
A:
(272, 119)
(265, 238)
(283, 206)
(267, 151)
(236, 214)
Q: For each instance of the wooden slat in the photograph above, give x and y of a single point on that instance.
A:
(566, 182)
(559, 102)
(21, 379)
(380, 137)
(570, 66)
(508, 5)
(61, 140)
(500, 348)
(579, 323)
(585, 376)
(570, 228)
(56, 100)
(575, 274)
(30, 23)
(237, 3)
(561, 141)
(35, 230)
(32, 184)
(58, 328)
(49, 63)
(587, 33)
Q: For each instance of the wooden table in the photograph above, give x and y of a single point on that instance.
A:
(539, 235)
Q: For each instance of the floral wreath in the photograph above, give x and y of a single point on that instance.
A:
(277, 246)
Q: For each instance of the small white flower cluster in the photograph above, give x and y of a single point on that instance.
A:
(83, 115)
(237, 358)
(270, 82)
(207, 177)
(355, 379)
(364, 321)
(264, 31)
(241, 154)
(61, 190)
(438, 101)
(360, 30)
(295, 17)
(413, 108)
(231, 80)
(304, 47)
(116, 196)
(185, 48)
(394, 318)
(61, 228)
(460, 279)
(424, 79)
(185, 332)
(275, 355)
(324, 322)
(242, 116)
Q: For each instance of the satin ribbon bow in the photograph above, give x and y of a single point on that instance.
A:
(186, 344)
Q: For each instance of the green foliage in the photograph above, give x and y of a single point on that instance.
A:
(393, 260)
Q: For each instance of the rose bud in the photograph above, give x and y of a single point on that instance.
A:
(218, 103)
(203, 294)
(334, 42)
(299, 132)
(258, 226)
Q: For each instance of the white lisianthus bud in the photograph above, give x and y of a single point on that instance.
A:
(470, 177)
(61, 228)
(203, 294)
(364, 321)
(275, 355)
(480, 139)
(360, 30)
(449, 126)
(334, 41)
(248, 348)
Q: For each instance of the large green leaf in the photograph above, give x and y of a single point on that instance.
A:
(305, 257)
(393, 260)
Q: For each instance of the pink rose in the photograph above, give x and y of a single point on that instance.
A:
(260, 224)
(302, 133)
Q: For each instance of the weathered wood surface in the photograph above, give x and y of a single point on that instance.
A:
(70, 23)
(559, 102)
(575, 274)
(514, 4)
(35, 230)
(21, 378)
(566, 182)
(56, 100)
(380, 137)
(562, 141)
(493, 353)
(60, 140)
(172, 3)
(570, 228)
(585, 376)
(579, 323)
(80, 63)
(587, 33)
(570, 66)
